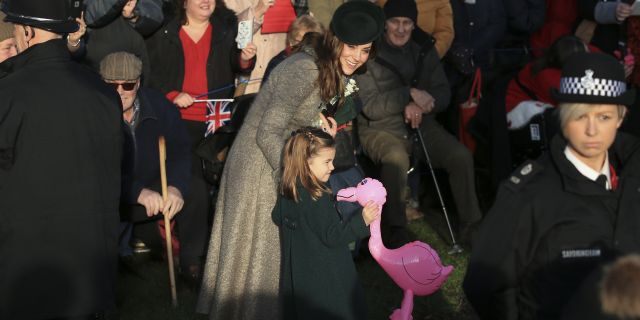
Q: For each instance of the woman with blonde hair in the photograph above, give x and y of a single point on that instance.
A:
(556, 219)
(242, 272)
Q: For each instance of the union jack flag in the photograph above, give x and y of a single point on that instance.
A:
(218, 114)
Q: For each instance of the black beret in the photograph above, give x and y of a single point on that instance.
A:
(358, 22)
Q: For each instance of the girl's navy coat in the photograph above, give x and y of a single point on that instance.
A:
(319, 279)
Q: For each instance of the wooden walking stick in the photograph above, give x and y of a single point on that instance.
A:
(167, 221)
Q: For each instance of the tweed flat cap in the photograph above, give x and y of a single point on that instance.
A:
(120, 66)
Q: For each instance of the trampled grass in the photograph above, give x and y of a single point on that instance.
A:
(143, 290)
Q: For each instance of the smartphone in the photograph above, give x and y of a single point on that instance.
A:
(75, 9)
(245, 33)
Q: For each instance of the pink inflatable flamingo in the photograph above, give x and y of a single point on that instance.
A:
(414, 267)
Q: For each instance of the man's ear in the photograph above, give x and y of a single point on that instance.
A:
(29, 33)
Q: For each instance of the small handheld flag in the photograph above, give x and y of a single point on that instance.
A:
(218, 114)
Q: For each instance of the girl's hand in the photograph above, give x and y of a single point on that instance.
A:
(249, 52)
(183, 100)
(370, 212)
(329, 125)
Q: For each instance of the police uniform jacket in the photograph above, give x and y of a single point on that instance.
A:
(60, 153)
(548, 229)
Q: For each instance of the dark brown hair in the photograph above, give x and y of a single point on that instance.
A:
(303, 144)
(330, 77)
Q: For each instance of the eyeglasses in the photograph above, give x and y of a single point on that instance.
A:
(127, 86)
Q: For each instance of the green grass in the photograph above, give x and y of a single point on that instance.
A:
(143, 292)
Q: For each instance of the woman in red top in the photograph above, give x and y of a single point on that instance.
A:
(538, 77)
(195, 56)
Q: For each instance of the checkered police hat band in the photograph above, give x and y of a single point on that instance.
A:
(592, 87)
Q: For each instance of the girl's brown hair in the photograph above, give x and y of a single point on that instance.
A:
(303, 144)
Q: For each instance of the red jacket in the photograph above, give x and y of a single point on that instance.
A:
(540, 85)
(560, 20)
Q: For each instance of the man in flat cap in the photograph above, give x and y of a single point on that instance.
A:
(147, 114)
(60, 153)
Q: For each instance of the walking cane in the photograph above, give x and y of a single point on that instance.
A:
(167, 221)
(456, 248)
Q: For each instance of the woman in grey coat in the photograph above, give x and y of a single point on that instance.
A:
(242, 271)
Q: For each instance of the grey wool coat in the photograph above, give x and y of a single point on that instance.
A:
(242, 270)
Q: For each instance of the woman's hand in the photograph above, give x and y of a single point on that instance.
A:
(329, 125)
(370, 212)
(623, 11)
(73, 39)
(249, 52)
(262, 7)
(183, 100)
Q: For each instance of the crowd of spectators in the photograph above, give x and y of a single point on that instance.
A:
(169, 61)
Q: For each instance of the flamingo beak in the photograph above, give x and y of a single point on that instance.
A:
(347, 194)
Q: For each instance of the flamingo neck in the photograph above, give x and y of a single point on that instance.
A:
(376, 247)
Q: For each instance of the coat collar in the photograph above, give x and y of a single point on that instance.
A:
(146, 111)
(573, 181)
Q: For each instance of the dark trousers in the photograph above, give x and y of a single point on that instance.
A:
(391, 154)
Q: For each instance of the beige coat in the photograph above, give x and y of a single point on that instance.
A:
(242, 271)
(436, 18)
(268, 45)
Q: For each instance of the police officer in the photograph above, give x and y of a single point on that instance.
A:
(557, 218)
(60, 150)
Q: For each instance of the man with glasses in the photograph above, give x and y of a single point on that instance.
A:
(147, 114)
(60, 153)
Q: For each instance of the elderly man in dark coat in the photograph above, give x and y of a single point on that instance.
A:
(402, 90)
(60, 150)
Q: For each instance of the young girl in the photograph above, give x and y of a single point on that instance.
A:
(319, 279)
